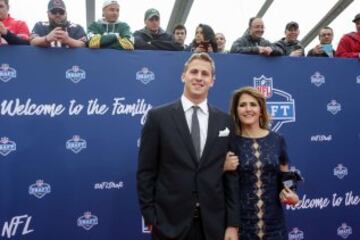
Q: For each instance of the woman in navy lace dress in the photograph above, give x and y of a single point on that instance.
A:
(261, 160)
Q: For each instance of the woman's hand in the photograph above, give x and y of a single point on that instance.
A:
(231, 161)
(231, 233)
(199, 49)
(287, 196)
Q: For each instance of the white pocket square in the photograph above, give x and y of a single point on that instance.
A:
(224, 133)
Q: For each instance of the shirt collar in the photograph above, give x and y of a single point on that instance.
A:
(187, 104)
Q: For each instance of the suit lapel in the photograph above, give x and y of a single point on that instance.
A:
(183, 129)
(212, 134)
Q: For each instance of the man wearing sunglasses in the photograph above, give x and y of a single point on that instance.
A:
(58, 31)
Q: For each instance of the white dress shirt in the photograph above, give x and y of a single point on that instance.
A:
(203, 116)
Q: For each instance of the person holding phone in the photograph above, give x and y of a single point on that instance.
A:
(260, 158)
(58, 31)
(324, 48)
(205, 40)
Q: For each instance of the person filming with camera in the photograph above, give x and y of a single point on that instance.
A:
(204, 41)
(58, 31)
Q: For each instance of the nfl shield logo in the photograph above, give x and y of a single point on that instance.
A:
(264, 85)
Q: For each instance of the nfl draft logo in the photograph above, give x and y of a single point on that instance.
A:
(39, 189)
(145, 76)
(75, 74)
(6, 146)
(340, 171)
(333, 107)
(87, 221)
(7, 73)
(76, 144)
(344, 231)
(317, 79)
(282, 108)
(296, 234)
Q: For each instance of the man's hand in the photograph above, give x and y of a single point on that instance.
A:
(318, 50)
(231, 162)
(296, 53)
(54, 34)
(63, 37)
(3, 29)
(3, 41)
(231, 233)
(266, 51)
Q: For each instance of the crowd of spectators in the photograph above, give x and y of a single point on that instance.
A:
(109, 32)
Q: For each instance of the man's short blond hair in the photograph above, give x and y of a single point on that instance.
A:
(201, 56)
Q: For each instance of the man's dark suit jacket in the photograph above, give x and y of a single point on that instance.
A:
(170, 180)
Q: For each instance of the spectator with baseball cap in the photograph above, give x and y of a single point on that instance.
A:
(349, 45)
(152, 36)
(58, 31)
(109, 32)
(290, 45)
(12, 31)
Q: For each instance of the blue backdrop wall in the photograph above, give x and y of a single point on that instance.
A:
(70, 122)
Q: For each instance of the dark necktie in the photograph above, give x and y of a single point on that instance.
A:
(195, 131)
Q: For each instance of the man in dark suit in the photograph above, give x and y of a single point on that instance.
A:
(183, 192)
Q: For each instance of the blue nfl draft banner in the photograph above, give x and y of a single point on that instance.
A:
(70, 122)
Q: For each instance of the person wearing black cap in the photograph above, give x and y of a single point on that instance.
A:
(349, 45)
(108, 32)
(152, 36)
(253, 43)
(290, 45)
(58, 31)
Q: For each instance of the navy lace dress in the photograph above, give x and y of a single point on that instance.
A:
(261, 214)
